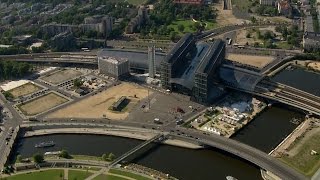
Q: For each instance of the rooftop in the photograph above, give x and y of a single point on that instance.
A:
(206, 62)
(113, 60)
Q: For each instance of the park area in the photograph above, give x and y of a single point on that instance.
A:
(24, 89)
(41, 104)
(256, 61)
(189, 25)
(97, 106)
(61, 76)
(300, 156)
(52, 174)
(72, 174)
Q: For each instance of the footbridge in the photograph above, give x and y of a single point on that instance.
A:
(158, 138)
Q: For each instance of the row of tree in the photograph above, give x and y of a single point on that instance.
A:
(13, 69)
(39, 158)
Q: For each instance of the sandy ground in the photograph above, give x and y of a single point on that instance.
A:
(225, 17)
(13, 84)
(24, 90)
(58, 77)
(314, 65)
(96, 106)
(42, 104)
(257, 61)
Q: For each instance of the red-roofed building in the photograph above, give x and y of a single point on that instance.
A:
(198, 2)
(284, 7)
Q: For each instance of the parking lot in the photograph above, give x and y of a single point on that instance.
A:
(61, 76)
(163, 107)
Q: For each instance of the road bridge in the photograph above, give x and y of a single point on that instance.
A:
(244, 151)
(239, 149)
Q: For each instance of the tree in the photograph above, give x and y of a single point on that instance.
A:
(248, 35)
(38, 158)
(8, 95)
(19, 158)
(173, 35)
(64, 154)
(77, 83)
(197, 26)
(181, 27)
(111, 156)
(104, 157)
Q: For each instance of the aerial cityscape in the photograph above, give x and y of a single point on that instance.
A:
(159, 89)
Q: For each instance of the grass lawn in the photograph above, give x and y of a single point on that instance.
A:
(283, 45)
(110, 177)
(303, 161)
(188, 24)
(128, 174)
(78, 175)
(53, 174)
(85, 157)
(102, 177)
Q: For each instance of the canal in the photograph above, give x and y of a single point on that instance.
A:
(186, 164)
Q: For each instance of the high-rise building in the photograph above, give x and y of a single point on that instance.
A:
(151, 60)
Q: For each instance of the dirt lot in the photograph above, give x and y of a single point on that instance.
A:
(225, 17)
(257, 61)
(42, 104)
(97, 105)
(24, 90)
(58, 77)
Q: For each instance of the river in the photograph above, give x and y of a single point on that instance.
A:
(269, 128)
(301, 79)
(182, 163)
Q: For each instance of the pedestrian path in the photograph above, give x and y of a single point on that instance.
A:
(66, 173)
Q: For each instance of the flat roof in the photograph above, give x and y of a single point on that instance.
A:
(136, 58)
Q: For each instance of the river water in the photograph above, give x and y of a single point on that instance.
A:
(301, 79)
(182, 163)
(268, 129)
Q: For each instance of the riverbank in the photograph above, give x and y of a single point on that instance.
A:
(111, 132)
(300, 149)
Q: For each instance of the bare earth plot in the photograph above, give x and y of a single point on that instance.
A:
(58, 77)
(42, 104)
(25, 89)
(225, 17)
(96, 106)
(257, 61)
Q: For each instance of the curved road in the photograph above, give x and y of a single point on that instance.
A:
(239, 149)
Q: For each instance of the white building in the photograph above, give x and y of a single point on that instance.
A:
(115, 67)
